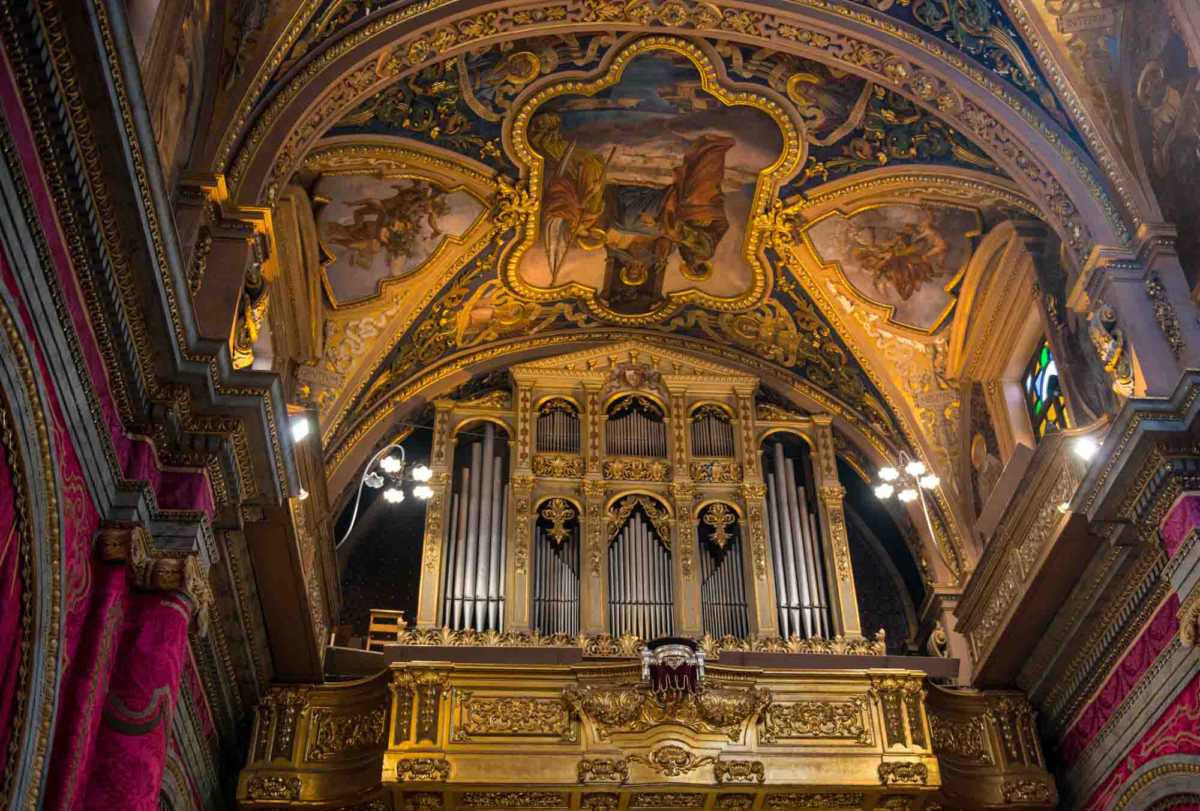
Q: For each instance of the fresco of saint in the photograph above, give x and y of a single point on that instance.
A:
(647, 187)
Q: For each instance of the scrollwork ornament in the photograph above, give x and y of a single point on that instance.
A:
(423, 770)
(558, 511)
(671, 760)
(903, 773)
(1022, 790)
(720, 517)
(273, 787)
(1109, 341)
(739, 771)
(1164, 314)
(602, 770)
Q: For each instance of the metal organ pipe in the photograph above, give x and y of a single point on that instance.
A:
(474, 576)
(795, 543)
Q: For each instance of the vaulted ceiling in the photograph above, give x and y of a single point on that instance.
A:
(812, 194)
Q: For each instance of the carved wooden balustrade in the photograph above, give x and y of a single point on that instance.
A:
(590, 734)
(987, 745)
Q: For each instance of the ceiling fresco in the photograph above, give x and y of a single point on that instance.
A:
(906, 257)
(374, 229)
(980, 29)
(656, 185)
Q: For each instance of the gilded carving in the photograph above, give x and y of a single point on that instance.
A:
(513, 715)
(513, 799)
(960, 739)
(903, 773)
(558, 511)
(658, 516)
(335, 735)
(1027, 791)
(716, 472)
(600, 801)
(522, 498)
(558, 465)
(423, 770)
(667, 799)
(603, 770)
(735, 802)
(273, 787)
(635, 708)
(593, 493)
(831, 497)
(816, 719)
(671, 760)
(739, 771)
(838, 646)
(429, 686)
(823, 800)
(719, 517)
(752, 496)
(1164, 313)
(635, 468)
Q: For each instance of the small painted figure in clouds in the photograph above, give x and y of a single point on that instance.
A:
(640, 227)
(903, 259)
(393, 224)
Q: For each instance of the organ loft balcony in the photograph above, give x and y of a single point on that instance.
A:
(644, 584)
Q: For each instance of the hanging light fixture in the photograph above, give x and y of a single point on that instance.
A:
(907, 480)
(388, 470)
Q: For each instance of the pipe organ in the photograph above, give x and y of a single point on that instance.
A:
(473, 578)
(795, 540)
(722, 582)
(630, 490)
(712, 431)
(635, 427)
(558, 426)
(556, 569)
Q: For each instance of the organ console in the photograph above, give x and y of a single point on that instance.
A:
(635, 492)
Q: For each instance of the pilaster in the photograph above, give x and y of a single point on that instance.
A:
(441, 459)
(593, 562)
(835, 541)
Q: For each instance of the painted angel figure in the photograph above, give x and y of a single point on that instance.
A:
(640, 227)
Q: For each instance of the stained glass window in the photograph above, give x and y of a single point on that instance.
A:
(1043, 393)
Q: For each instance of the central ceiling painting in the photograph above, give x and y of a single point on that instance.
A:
(649, 182)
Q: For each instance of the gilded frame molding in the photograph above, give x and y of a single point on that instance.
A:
(714, 81)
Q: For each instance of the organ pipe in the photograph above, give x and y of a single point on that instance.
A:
(473, 581)
(558, 427)
(794, 538)
(722, 587)
(635, 428)
(639, 577)
(556, 583)
(712, 432)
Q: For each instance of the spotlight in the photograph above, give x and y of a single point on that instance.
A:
(889, 474)
(915, 468)
(390, 464)
(884, 491)
(422, 473)
(393, 495)
(929, 481)
(423, 492)
(300, 428)
(907, 494)
(1085, 448)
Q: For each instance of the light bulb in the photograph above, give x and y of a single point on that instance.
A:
(1086, 447)
(303, 494)
(929, 481)
(422, 473)
(884, 491)
(393, 495)
(915, 468)
(300, 428)
(390, 464)
(423, 492)
(889, 473)
(373, 480)
(907, 494)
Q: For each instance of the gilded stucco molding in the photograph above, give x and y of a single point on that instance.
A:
(867, 56)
